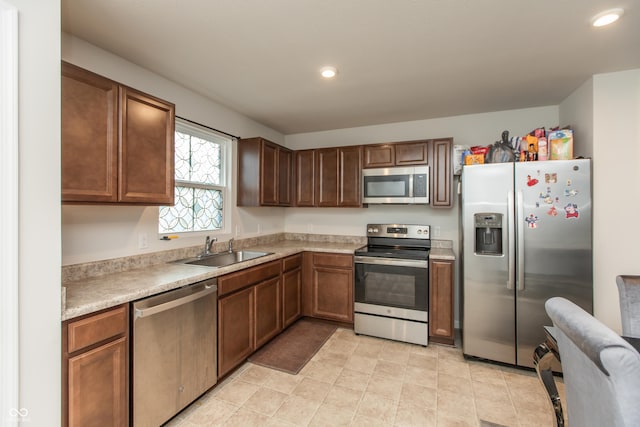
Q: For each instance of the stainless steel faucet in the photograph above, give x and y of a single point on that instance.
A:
(230, 245)
(207, 245)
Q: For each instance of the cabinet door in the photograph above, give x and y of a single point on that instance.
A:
(89, 136)
(305, 166)
(379, 156)
(350, 175)
(285, 177)
(441, 173)
(268, 312)
(269, 174)
(441, 301)
(332, 293)
(291, 296)
(147, 145)
(412, 153)
(235, 329)
(97, 391)
(327, 177)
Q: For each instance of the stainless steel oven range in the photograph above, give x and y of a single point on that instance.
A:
(392, 283)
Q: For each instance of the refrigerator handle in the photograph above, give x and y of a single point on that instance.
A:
(520, 236)
(511, 241)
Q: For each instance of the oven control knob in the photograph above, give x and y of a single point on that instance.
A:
(419, 231)
(375, 230)
(369, 230)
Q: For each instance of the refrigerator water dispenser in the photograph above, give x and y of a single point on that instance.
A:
(488, 233)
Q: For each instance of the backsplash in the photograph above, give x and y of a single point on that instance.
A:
(118, 265)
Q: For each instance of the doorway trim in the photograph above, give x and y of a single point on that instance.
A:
(9, 215)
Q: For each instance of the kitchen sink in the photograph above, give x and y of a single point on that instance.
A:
(224, 258)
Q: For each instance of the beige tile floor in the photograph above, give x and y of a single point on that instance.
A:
(364, 381)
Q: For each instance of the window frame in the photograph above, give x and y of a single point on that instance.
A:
(200, 131)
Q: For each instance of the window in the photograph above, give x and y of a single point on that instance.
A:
(200, 168)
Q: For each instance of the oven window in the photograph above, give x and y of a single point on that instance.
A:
(403, 287)
(386, 186)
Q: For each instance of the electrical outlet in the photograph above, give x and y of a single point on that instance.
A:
(436, 231)
(237, 230)
(259, 228)
(309, 227)
(143, 241)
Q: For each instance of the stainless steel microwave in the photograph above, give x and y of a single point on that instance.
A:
(397, 185)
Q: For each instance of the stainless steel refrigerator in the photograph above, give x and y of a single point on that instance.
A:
(527, 237)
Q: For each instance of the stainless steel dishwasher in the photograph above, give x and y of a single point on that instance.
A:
(174, 351)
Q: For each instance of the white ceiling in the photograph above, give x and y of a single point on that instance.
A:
(398, 60)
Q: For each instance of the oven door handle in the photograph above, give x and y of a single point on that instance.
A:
(391, 262)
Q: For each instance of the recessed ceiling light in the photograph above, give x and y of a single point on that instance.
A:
(328, 72)
(607, 17)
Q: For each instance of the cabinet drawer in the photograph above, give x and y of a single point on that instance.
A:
(241, 279)
(291, 262)
(94, 329)
(332, 260)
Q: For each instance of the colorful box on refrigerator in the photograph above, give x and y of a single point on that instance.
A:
(560, 144)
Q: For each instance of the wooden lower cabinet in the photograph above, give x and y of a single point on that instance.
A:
(249, 313)
(95, 359)
(441, 301)
(268, 312)
(235, 329)
(329, 286)
(291, 289)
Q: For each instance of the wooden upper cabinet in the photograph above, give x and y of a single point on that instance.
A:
(264, 173)
(441, 173)
(396, 154)
(89, 136)
(337, 176)
(147, 129)
(117, 142)
(412, 153)
(379, 156)
(269, 183)
(349, 176)
(327, 177)
(305, 167)
(285, 177)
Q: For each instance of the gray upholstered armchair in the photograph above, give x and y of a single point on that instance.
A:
(629, 291)
(601, 370)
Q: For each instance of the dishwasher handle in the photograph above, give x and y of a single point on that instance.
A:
(168, 305)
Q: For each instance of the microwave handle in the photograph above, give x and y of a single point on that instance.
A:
(410, 185)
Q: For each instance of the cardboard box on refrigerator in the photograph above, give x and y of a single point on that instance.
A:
(560, 144)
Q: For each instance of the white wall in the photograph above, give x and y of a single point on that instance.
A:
(91, 233)
(577, 111)
(616, 136)
(39, 206)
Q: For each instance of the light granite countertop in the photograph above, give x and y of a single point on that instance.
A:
(91, 294)
(99, 285)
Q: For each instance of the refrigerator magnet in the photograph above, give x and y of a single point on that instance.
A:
(532, 221)
(531, 181)
(552, 211)
(550, 178)
(570, 192)
(571, 211)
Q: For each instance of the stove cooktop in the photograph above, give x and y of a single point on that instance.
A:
(393, 252)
